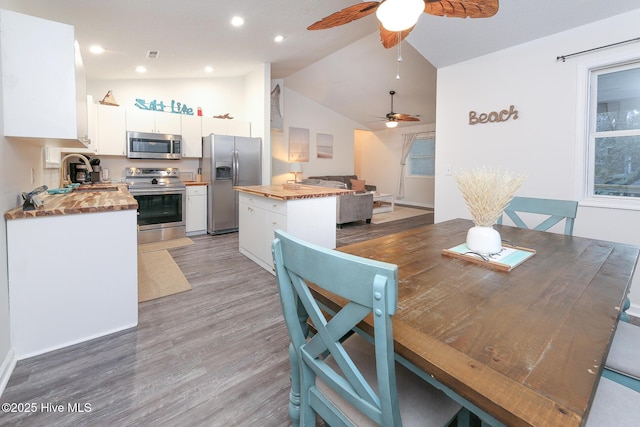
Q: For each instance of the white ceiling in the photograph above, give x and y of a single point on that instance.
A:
(192, 34)
(446, 41)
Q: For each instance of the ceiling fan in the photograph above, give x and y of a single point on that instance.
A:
(394, 118)
(398, 17)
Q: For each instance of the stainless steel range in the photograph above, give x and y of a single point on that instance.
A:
(161, 197)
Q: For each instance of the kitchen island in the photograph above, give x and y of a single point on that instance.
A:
(307, 212)
(72, 267)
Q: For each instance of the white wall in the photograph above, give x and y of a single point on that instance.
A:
(16, 161)
(257, 111)
(378, 163)
(215, 96)
(546, 142)
(301, 112)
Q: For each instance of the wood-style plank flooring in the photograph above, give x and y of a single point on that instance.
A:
(214, 356)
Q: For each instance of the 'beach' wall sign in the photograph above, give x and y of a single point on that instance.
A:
(494, 116)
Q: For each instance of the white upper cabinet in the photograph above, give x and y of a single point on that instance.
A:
(83, 110)
(191, 136)
(53, 154)
(231, 127)
(39, 80)
(111, 134)
(153, 121)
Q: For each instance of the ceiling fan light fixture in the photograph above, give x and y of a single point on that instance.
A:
(399, 15)
(391, 124)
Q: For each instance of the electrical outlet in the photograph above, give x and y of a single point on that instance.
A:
(33, 176)
(448, 170)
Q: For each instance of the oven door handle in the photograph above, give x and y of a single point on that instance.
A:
(157, 191)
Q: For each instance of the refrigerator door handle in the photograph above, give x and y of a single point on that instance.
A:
(235, 167)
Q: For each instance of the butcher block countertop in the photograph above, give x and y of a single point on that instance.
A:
(193, 183)
(84, 199)
(280, 193)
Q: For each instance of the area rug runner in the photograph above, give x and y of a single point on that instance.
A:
(165, 244)
(159, 276)
(399, 212)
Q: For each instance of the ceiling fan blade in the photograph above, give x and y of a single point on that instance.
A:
(399, 117)
(390, 38)
(409, 119)
(345, 16)
(461, 8)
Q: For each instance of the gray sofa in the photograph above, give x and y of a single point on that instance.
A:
(345, 179)
(349, 207)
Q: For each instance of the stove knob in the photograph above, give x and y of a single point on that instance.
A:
(154, 181)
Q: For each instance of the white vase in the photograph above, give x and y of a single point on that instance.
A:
(484, 240)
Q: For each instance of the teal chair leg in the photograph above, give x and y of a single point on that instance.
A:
(463, 418)
(294, 394)
(623, 315)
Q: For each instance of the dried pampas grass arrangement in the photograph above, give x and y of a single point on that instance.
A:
(487, 192)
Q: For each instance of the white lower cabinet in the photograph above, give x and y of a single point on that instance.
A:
(196, 221)
(252, 220)
(312, 219)
(67, 287)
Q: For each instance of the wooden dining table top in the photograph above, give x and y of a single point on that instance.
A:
(526, 346)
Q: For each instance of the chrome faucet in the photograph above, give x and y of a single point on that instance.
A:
(63, 174)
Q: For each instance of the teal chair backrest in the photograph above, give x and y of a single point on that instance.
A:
(369, 286)
(553, 212)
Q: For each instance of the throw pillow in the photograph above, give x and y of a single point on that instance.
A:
(358, 185)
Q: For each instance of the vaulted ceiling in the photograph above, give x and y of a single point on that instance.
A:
(344, 68)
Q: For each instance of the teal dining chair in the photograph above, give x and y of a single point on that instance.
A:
(552, 212)
(613, 405)
(336, 374)
(623, 361)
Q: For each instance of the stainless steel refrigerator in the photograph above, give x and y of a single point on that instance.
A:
(228, 161)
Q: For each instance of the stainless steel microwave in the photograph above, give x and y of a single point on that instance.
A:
(142, 145)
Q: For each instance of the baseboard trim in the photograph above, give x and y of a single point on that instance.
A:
(415, 204)
(6, 369)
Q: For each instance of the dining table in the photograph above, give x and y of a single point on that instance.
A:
(524, 347)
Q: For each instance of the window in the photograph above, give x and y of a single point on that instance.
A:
(422, 157)
(614, 132)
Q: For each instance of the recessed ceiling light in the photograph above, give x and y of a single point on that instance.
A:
(141, 69)
(208, 69)
(96, 49)
(237, 21)
(278, 38)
